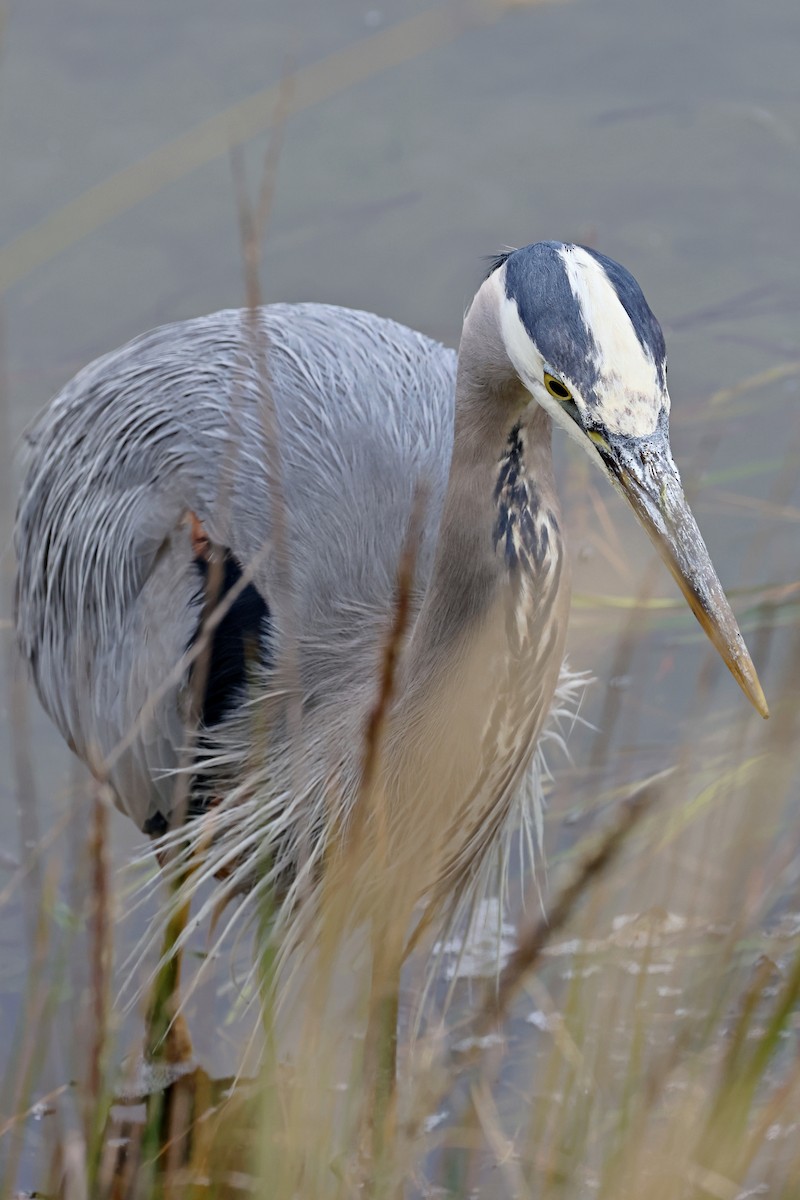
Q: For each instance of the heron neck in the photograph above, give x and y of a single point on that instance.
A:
(500, 432)
(483, 659)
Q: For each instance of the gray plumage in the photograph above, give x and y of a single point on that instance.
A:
(175, 423)
(108, 597)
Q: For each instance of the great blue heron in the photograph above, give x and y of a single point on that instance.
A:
(158, 457)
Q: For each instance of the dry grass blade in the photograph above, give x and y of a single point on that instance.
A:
(479, 1046)
(380, 1058)
(252, 229)
(168, 1126)
(390, 662)
(239, 123)
(723, 1143)
(752, 383)
(16, 693)
(101, 956)
(32, 1039)
(532, 942)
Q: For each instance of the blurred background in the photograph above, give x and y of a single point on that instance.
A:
(415, 141)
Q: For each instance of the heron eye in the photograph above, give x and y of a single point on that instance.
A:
(556, 388)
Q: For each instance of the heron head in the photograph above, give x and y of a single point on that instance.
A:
(586, 346)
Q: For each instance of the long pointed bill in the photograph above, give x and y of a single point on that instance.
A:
(644, 471)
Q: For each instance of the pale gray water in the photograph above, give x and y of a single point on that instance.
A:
(668, 135)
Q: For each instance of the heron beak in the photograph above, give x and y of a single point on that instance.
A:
(644, 471)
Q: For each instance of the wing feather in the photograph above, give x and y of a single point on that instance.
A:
(173, 423)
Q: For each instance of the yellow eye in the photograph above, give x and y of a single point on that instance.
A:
(556, 388)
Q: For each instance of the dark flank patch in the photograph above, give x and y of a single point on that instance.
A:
(518, 526)
(236, 643)
(156, 826)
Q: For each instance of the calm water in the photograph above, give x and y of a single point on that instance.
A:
(667, 135)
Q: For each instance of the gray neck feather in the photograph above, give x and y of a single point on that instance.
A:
(496, 420)
(484, 655)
